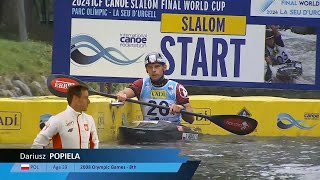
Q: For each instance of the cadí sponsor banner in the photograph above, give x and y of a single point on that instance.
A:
(10, 120)
(207, 42)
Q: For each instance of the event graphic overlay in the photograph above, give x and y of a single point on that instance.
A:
(96, 164)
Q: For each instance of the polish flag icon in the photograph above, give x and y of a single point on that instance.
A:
(25, 167)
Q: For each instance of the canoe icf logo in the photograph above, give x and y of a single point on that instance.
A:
(265, 4)
(110, 54)
(286, 121)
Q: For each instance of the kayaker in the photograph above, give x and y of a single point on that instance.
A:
(159, 90)
(275, 52)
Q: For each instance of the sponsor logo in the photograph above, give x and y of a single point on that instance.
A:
(148, 87)
(69, 123)
(200, 120)
(10, 120)
(86, 127)
(113, 116)
(286, 121)
(123, 118)
(62, 84)
(244, 112)
(183, 92)
(133, 40)
(110, 54)
(158, 94)
(70, 130)
(311, 116)
(236, 124)
(244, 126)
(100, 120)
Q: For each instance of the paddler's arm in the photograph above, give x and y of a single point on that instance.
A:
(275, 30)
(133, 90)
(176, 108)
(188, 118)
(125, 93)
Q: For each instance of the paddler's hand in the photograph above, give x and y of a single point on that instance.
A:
(175, 108)
(121, 96)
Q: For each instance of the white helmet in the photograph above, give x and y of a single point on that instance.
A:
(154, 57)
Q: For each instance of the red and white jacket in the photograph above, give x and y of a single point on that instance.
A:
(68, 130)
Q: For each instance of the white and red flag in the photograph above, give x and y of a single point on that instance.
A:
(25, 167)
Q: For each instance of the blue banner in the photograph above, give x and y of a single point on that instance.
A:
(247, 43)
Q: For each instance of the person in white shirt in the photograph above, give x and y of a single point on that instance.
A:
(72, 128)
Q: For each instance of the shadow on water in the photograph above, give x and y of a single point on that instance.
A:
(243, 157)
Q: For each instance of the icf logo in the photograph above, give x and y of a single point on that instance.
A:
(265, 5)
(286, 121)
(133, 40)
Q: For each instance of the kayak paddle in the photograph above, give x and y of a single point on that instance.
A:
(58, 85)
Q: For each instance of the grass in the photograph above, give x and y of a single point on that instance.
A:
(28, 60)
